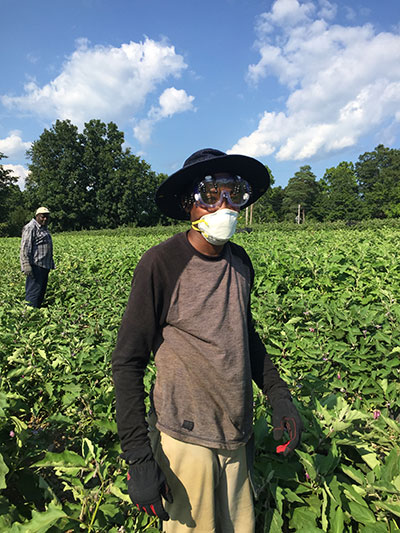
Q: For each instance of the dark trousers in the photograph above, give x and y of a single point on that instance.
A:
(35, 286)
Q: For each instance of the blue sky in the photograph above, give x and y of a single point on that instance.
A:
(289, 82)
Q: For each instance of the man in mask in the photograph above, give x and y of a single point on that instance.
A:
(36, 256)
(189, 306)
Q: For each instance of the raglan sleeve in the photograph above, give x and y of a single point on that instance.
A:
(264, 372)
(138, 331)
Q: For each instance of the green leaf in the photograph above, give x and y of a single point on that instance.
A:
(88, 449)
(378, 527)
(19, 424)
(273, 521)
(308, 463)
(291, 496)
(391, 468)
(41, 521)
(354, 474)
(304, 519)
(3, 472)
(337, 520)
(279, 496)
(260, 431)
(64, 459)
(392, 507)
(361, 513)
(49, 388)
(356, 493)
(396, 483)
(42, 353)
(119, 494)
(394, 426)
(326, 464)
(324, 518)
(369, 456)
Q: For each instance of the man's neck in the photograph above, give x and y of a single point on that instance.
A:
(199, 243)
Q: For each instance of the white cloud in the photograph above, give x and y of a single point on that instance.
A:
(350, 13)
(32, 58)
(327, 10)
(175, 101)
(344, 82)
(102, 82)
(171, 101)
(20, 172)
(13, 145)
(142, 131)
(286, 13)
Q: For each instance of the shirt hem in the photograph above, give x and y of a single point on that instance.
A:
(207, 443)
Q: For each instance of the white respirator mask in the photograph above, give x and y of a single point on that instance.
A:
(218, 227)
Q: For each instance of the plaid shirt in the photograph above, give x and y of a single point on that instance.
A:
(36, 246)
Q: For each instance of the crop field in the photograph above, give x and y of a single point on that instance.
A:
(326, 303)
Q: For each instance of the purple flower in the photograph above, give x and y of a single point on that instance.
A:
(311, 329)
(377, 414)
(307, 476)
(12, 434)
(339, 376)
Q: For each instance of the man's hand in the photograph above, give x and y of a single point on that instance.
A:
(285, 417)
(146, 485)
(27, 270)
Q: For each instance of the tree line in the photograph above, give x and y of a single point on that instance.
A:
(368, 189)
(89, 180)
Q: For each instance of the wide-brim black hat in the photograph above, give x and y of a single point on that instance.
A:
(203, 163)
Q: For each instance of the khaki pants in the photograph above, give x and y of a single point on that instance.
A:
(210, 487)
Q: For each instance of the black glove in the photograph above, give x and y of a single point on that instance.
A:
(286, 417)
(146, 485)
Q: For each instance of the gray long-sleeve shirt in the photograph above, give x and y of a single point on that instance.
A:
(36, 246)
(193, 313)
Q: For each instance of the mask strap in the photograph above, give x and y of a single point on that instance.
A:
(195, 222)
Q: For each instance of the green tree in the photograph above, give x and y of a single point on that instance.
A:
(102, 160)
(12, 211)
(137, 201)
(123, 185)
(6, 180)
(17, 212)
(57, 178)
(269, 207)
(301, 190)
(378, 176)
(88, 180)
(339, 198)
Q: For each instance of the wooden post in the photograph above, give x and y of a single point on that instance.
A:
(298, 213)
(251, 214)
(247, 215)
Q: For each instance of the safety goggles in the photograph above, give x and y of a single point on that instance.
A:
(211, 191)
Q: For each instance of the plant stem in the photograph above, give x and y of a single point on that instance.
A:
(97, 507)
